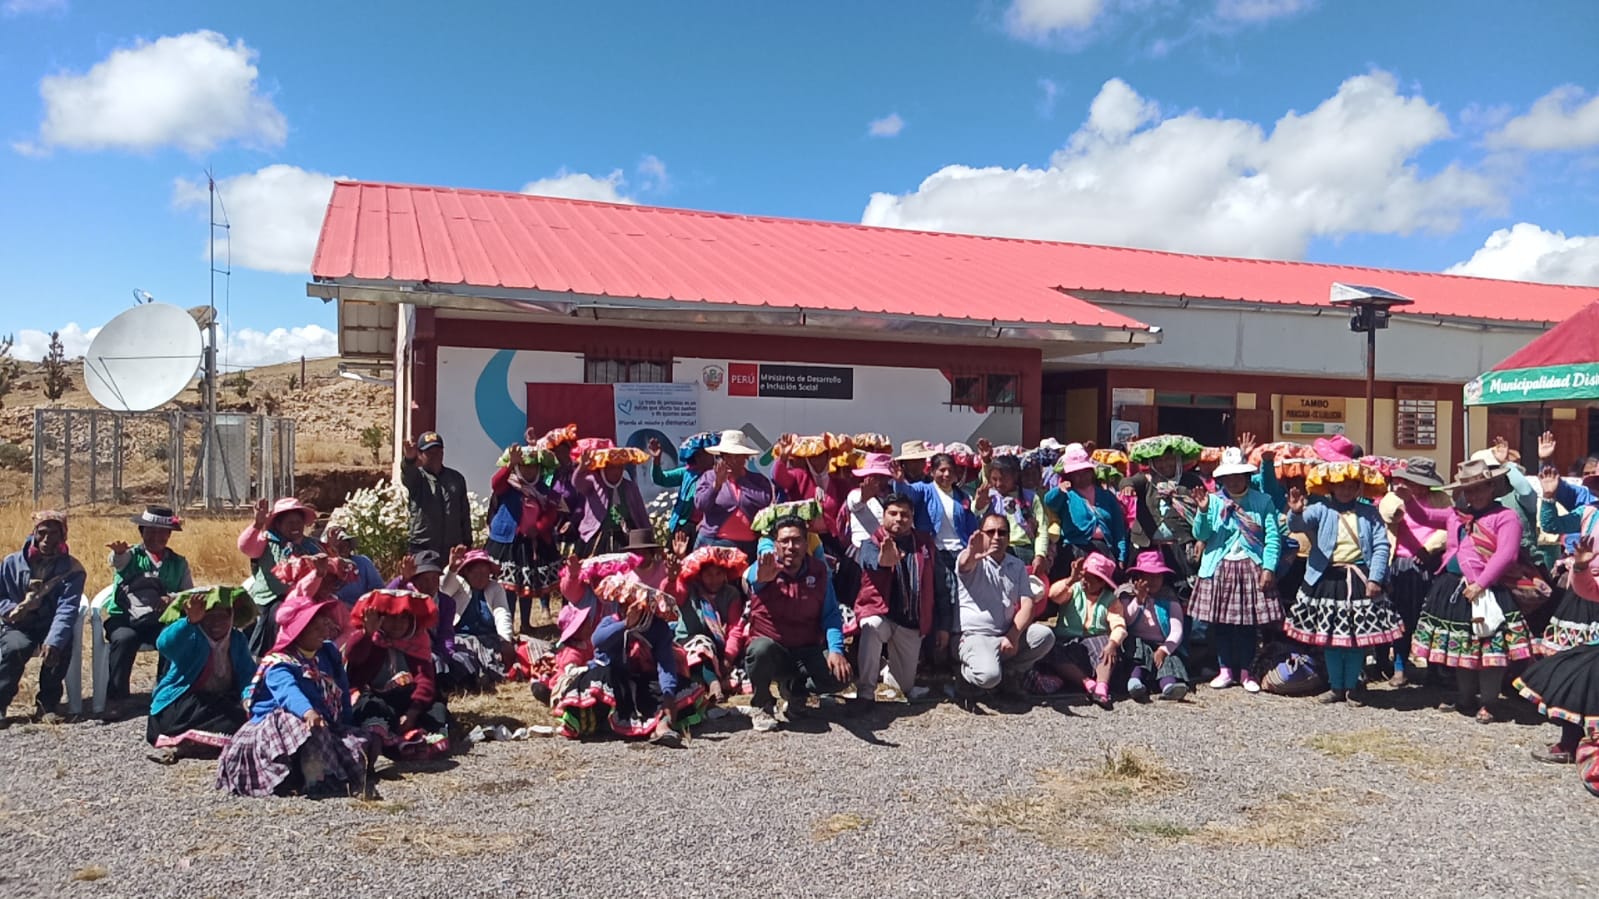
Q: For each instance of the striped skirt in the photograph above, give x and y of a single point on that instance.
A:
(281, 753)
(1233, 596)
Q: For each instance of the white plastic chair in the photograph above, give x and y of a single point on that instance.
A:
(74, 676)
(102, 652)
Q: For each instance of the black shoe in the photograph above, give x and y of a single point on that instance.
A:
(1333, 696)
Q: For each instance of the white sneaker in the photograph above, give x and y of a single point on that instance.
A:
(762, 720)
(1251, 686)
(1223, 681)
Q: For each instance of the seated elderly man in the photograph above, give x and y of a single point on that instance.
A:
(999, 641)
(41, 586)
(795, 626)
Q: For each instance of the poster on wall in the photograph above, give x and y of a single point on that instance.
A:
(806, 382)
(1123, 432)
(669, 413)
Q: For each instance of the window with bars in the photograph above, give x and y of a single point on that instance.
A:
(612, 370)
(985, 391)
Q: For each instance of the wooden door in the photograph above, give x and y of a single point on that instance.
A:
(1571, 444)
(1504, 423)
(1258, 422)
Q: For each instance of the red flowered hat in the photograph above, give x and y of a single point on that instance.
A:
(728, 558)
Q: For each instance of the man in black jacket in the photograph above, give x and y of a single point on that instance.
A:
(441, 517)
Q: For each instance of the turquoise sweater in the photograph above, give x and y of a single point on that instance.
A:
(1217, 533)
(187, 650)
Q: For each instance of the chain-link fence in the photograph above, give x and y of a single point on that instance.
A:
(99, 457)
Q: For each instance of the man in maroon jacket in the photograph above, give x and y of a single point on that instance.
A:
(895, 605)
(795, 626)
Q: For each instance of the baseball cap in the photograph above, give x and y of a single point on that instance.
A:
(429, 440)
(427, 560)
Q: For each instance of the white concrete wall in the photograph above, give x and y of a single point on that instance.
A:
(1271, 341)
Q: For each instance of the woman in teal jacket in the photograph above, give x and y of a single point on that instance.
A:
(1236, 591)
(196, 707)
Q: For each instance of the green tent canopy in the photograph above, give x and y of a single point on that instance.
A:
(1561, 365)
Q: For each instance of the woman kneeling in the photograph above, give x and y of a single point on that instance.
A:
(195, 708)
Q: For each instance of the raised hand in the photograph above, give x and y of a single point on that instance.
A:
(1501, 450)
(408, 450)
(1584, 554)
(653, 448)
(118, 546)
(408, 567)
(1546, 446)
(194, 608)
(1246, 443)
(263, 513)
(985, 450)
(978, 545)
(1201, 498)
(724, 470)
(531, 436)
(888, 554)
(457, 553)
(766, 568)
(1548, 478)
(1296, 500)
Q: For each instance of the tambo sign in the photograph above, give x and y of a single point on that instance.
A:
(1313, 414)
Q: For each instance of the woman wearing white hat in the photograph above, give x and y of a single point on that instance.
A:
(730, 496)
(1236, 591)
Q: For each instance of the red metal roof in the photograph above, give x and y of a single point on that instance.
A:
(377, 232)
(1574, 341)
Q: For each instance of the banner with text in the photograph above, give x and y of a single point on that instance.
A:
(669, 413)
(808, 382)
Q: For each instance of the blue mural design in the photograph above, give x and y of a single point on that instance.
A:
(498, 414)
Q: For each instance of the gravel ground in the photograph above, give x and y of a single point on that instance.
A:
(1223, 794)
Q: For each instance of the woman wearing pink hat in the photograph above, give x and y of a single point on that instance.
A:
(1155, 625)
(1091, 518)
(485, 639)
(278, 533)
(300, 737)
(1091, 626)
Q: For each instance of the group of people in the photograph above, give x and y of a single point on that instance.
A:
(851, 570)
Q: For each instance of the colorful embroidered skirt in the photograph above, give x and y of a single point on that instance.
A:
(526, 569)
(1407, 590)
(628, 704)
(1575, 622)
(1233, 596)
(379, 714)
(281, 753)
(196, 720)
(1335, 612)
(1444, 635)
(1565, 687)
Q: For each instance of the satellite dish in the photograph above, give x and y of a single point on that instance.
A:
(142, 358)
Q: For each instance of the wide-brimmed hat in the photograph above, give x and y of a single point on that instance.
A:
(572, 618)
(1101, 566)
(286, 505)
(528, 454)
(728, 558)
(1074, 458)
(641, 539)
(697, 443)
(914, 451)
(1421, 471)
(876, 463)
(1150, 562)
(1475, 471)
(733, 443)
(474, 557)
(158, 517)
(294, 614)
(806, 510)
(1336, 448)
(596, 567)
(234, 599)
(1487, 455)
(1233, 462)
(1321, 477)
(419, 606)
(1149, 448)
(810, 447)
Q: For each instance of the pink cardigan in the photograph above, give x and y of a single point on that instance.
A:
(1502, 523)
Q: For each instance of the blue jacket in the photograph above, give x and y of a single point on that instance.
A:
(61, 603)
(285, 686)
(1573, 497)
(1079, 520)
(187, 650)
(930, 511)
(1321, 523)
(1216, 533)
(687, 482)
(366, 580)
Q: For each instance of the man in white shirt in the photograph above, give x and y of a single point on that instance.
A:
(999, 641)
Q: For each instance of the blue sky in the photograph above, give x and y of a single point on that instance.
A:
(1410, 135)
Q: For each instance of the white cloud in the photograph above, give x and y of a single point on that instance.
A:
(276, 214)
(249, 348)
(581, 186)
(1250, 11)
(1213, 185)
(1049, 92)
(1044, 20)
(1559, 120)
(652, 173)
(29, 7)
(32, 345)
(1526, 252)
(195, 91)
(887, 126)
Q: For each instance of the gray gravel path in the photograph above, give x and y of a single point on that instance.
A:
(902, 800)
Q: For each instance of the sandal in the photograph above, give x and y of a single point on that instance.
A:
(163, 756)
(1486, 716)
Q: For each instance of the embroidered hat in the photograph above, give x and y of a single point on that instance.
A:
(236, 599)
(728, 558)
(398, 602)
(806, 510)
(1154, 447)
(1321, 478)
(596, 567)
(530, 454)
(698, 443)
(158, 517)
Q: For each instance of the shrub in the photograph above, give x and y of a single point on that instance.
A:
(378, 517)
(15, 457)
(56, 380)
(375, 438)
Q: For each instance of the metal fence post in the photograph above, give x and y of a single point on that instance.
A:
(94, 457)
(38, 454)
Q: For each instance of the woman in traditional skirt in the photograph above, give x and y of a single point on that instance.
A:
(1343, 606)
(1164, 512)
(1575, 621)
(1470, 622)
(1236, 591)
(608, 501)
(1565, 688)
(628, 688)
(389, 658)
(1155, 630)
(280, 532)
(485, 642)
(522, 518)
(195, 708)
(1091, 627)
(710, 623)
(300, 736)
(1418, 551)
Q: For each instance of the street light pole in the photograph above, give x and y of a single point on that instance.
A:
(1371, 387)
(1369, 307)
